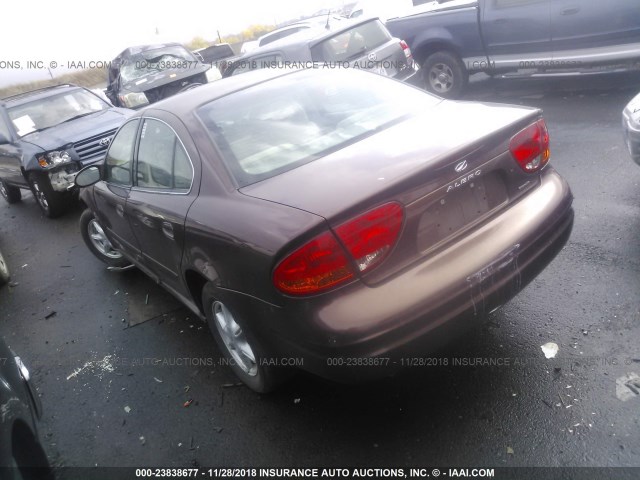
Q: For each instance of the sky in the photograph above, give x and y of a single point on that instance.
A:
(56, 33)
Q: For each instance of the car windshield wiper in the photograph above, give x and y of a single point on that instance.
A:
(78, 116)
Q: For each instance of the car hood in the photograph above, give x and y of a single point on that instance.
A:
(79, 129)
(361, 172)
(165, 77)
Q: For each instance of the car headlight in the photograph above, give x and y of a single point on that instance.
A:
(133, 100)
(53, 159)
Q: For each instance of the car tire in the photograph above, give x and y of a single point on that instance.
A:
(242, 351)
(4, 271)
(98, 243)
(445, 75)
(52, 203)
(9, 193)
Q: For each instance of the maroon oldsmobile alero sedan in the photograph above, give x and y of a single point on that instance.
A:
(335, 216)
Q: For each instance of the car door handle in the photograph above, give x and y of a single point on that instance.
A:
(120, 210)
(570, 11)
(167, 229)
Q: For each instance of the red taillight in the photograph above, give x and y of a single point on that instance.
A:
(370, 237)
(406, 49)
(314, 267)
(323, 263)
(530, 147)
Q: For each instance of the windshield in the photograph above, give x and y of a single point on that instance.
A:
(281, 124)
(53, 110)
(157, 60)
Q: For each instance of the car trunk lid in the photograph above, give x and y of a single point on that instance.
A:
(450, 168)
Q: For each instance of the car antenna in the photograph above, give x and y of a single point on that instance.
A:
(327, 26)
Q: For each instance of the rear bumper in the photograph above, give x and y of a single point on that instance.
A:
(412, 76)
(337, 334)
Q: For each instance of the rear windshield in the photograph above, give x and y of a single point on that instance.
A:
(352, 43)
(281, 124)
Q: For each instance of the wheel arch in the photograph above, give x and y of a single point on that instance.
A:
(426, 49)
(195, 283)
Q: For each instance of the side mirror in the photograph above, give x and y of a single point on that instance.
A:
(88, 176)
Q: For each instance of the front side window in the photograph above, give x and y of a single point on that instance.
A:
(163, 163)
(120, 155)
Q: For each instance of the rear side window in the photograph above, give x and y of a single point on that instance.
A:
(351, 44)
(120, 155)
(163, 163)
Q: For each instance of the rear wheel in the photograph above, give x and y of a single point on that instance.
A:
(9, 193)
(445, 75)
(96, 240)
(52, 203)
(242, 350)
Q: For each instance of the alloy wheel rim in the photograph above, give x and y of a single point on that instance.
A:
(441, 77)
(234, 339)
(101, 242)
(42, 200)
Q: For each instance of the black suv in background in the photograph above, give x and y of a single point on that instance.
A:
(47, 136)
(363, 44)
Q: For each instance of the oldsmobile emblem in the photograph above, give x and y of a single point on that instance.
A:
(373, 57)
(461, 167)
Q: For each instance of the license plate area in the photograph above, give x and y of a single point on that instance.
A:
(460, 208)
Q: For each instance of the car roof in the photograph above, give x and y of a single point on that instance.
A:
(26, 97)
(144, 48)
(310, 36)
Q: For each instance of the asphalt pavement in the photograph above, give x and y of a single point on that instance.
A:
(128, 377)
